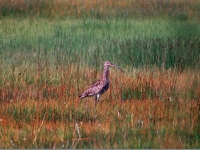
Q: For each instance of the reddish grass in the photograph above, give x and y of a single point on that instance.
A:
(156, 113)
(102, 8)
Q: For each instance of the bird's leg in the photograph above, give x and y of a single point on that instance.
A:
(95, 103)
(96, 99)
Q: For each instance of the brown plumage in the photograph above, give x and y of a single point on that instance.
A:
(100, 86)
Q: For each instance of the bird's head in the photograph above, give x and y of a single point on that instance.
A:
(107, 63)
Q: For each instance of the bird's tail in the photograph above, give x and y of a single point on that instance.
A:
(81, 96)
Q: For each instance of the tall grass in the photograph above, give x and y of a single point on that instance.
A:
(45, 63)
(181, 10)
(164, 117)
(133, 42)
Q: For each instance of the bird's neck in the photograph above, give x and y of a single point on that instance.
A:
(105, 72)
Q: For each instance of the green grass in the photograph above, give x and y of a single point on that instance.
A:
(136, 43)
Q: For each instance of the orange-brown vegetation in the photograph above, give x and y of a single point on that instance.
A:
(50, 114)
(102, 8)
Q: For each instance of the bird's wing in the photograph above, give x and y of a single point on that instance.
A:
(93, 89)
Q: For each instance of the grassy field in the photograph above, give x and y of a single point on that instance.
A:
(49, 56)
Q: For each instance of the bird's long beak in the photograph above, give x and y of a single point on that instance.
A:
(116, 67)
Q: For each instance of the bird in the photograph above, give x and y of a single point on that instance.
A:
(100, 86)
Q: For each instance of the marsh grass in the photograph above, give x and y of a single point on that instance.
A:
(141, 43)
(45, 63)
(178, 10)
(167, 118)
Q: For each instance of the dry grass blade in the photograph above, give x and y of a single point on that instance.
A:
(39, 128)
(77, 129)
(12, 143)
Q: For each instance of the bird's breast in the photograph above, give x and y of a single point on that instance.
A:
(104, 88)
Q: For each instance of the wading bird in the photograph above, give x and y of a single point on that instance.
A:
(100, 86)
